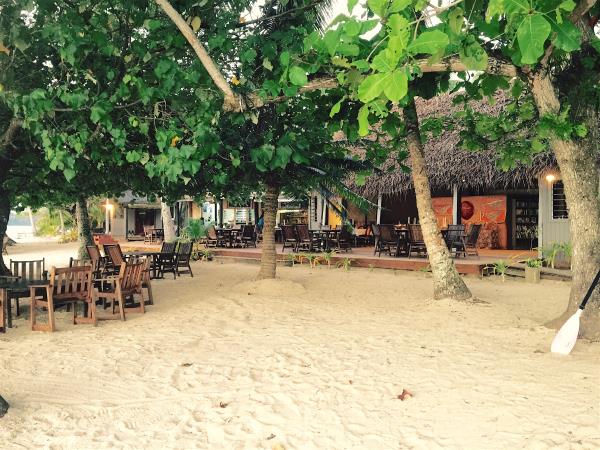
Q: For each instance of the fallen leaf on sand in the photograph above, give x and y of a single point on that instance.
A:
(271, 436)
(405, 394)
(223, 404)
(350, 381)
(186, 364)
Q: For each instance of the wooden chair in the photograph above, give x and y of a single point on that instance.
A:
(290, 240)
(115, 258)
(183, 259)
(123, 288)
(472, 238)
(247, 237)
(307, 240)
(455, 239)
(148, 233)
(343, 240)
(25, 270)
(212, 238)
(70, 285)
(387, 241)
(415, 240)
(377, 238)
(167, 260)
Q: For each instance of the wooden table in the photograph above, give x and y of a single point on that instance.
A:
(229, 233)
(328, 237)
(149, 254)
(12, 284)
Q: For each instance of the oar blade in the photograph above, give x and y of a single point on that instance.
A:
(565, 339)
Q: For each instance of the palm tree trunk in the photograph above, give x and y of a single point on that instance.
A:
(84, 233)
(168, 223)
(581, 178)
(268, 260)
(447, 283)
(4, 215)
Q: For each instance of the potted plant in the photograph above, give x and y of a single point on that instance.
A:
(533, 270)
(290, 259)
(207, 254)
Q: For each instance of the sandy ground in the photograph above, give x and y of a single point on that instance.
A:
(313, 360)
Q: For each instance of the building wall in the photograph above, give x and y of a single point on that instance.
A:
(550, 230)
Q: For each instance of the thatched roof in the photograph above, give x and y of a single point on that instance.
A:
(448, 164)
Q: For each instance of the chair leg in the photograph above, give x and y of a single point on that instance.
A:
(18, 312)
(51, 323)
(32, 306)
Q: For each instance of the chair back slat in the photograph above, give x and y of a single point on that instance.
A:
(376, 230)
(94, 253)
(184, 252)
(71, 282)
(114, 253)
(473, 235)
(289, 232)
(28, 270)
(415, 232)
(211, 232)
(168, 247)
(386, 233)
(131, 275)
(303, 233)
(248, 231)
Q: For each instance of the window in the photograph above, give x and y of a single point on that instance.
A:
(559, 202)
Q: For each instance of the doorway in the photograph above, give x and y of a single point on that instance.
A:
(143, 217)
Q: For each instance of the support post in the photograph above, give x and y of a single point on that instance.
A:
(455, 205)
(379, 202)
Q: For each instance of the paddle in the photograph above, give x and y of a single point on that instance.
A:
(565, 339)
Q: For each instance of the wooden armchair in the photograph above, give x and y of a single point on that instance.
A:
(115, 258)
(306, 240)
(247, 237)
(70, 285)
(387, 239)
(25, 270)
(149, 233)
(472, 238)
(123, 288)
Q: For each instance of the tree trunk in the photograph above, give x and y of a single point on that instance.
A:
(447, 283)
(581, 178)
(268, 260)
(62, 221)
(84, 233)
(168, 223)
(31, 221)
(4, 215)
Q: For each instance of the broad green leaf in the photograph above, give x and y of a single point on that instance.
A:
(196, 22)
(377, 6)
(371, 87)
(495, 8)
(284, 58)
(332, 40)
(398, 5)
(456, 20)
(351, 5)
(69, 174)
(396, 85)
(531, 36)
(363, 120)
(568, 36)
(399, 26)
(516, 6)
(429, 42)
(267, 64)
(282, 157)
(352, 28)
(249, 55)
(368, 25)
(348, 49)
(384, 61)
(473, 56)
(298, 76)
(567, 5)
(336, 108)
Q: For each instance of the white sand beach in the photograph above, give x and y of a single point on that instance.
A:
(315, 359)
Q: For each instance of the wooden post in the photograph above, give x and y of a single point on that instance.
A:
(455, 205)
(379, 201)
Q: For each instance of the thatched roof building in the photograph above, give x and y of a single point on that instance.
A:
(448, 164)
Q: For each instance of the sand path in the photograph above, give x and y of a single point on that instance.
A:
(313, 360)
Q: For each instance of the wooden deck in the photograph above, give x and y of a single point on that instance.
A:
(364, 257)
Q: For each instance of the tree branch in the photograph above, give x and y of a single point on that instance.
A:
(10, 132)
(231, 100)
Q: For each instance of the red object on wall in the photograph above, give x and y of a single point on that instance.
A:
(466, 210)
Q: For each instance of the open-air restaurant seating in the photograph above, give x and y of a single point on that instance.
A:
(119, 281)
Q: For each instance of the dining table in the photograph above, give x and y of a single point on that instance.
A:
(14, 284)
(328, 237)
(154, 255)
(230, 234)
